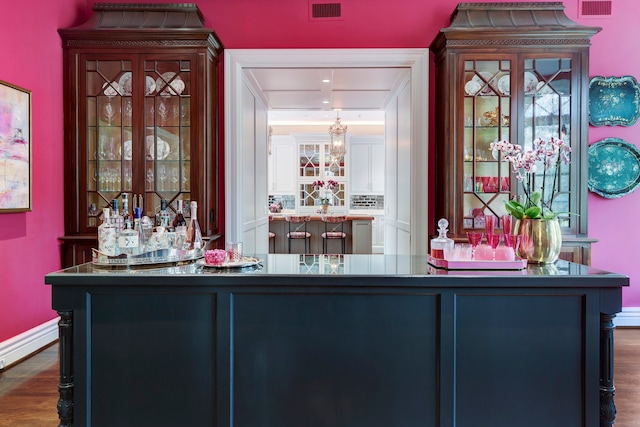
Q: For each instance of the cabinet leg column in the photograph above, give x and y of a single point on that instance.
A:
(65, 387)
(607, 389)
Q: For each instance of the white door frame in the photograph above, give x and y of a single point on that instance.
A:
(417, 60)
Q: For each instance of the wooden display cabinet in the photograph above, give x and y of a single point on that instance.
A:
(141, 116)
(515, 72)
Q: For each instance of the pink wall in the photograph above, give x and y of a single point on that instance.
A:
(28, 241)
(615, 221)
(413, 24)
(31, 58)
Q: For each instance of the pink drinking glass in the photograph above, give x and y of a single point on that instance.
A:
(494, 240)
(489, 224)
(506, 224)
(475, 237)
(508, 239)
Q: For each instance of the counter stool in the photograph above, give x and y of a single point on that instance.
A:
(298, 229)
(272, 237)
(333, 230)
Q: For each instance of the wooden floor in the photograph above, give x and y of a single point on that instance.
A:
(29, 394)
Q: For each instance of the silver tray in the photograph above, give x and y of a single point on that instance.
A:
(159, 256)
(244, 262)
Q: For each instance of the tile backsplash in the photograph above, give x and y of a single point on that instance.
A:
(357, 202)
(288, 200)
(367, 202)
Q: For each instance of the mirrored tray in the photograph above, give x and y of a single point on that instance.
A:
(614, 168)
(613, 101)
(517, 264)
(159, 256)
(244, 262)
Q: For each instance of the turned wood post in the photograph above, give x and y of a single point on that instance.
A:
(607, 389)
(65, 387)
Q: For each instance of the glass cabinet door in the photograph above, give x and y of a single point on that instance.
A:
(312, 169)
(167, 132)
(108, 126)
(547, 113)
(487, 113)
(138, 133)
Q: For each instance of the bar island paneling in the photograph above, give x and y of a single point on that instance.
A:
(326, 340)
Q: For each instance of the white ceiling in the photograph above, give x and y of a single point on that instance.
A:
(312, 95)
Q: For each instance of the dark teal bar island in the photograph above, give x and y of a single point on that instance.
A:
(353, 341)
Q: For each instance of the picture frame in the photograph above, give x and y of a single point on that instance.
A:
(15, 148)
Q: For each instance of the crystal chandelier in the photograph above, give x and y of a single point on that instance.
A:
(338, 132)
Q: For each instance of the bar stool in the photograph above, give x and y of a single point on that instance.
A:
(298, 229)
(272, 237)
(333, 230)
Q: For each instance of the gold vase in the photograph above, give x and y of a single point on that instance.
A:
(325, 208)
(540, 240)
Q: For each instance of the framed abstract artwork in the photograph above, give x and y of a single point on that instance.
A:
(614, 101)
(15, 148)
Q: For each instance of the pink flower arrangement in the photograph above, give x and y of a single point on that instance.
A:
(550, 155)
(329, 186)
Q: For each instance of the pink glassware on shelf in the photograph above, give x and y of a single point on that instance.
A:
(504, 184)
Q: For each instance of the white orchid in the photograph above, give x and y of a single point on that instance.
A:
(551, 154)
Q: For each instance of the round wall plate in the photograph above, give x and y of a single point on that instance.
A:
(614, 168)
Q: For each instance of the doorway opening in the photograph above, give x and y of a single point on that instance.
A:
(245, 145)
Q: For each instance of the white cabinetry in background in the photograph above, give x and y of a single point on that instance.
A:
(282, 165)
(366, 164)
(377, 234)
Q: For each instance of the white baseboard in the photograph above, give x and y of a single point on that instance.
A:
(22, 345)
(629, 316)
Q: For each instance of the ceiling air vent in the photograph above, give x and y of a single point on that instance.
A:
(323, 11)
(595, 8)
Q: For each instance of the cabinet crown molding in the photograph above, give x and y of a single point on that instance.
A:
(512, 23)
(142, 16)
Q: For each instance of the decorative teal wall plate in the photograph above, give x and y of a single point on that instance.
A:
(614, 168)
(613, 101)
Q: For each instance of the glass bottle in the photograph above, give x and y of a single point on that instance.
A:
(442, 242)
(116, 217)
(162, 217)
(107, 236)
(194, 235)
(180, 226)
(137, 226)
(125, 209)
(128, 241)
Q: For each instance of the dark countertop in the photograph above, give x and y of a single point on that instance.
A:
(285, 269)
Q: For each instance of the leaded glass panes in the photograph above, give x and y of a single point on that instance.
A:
(487, 112)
